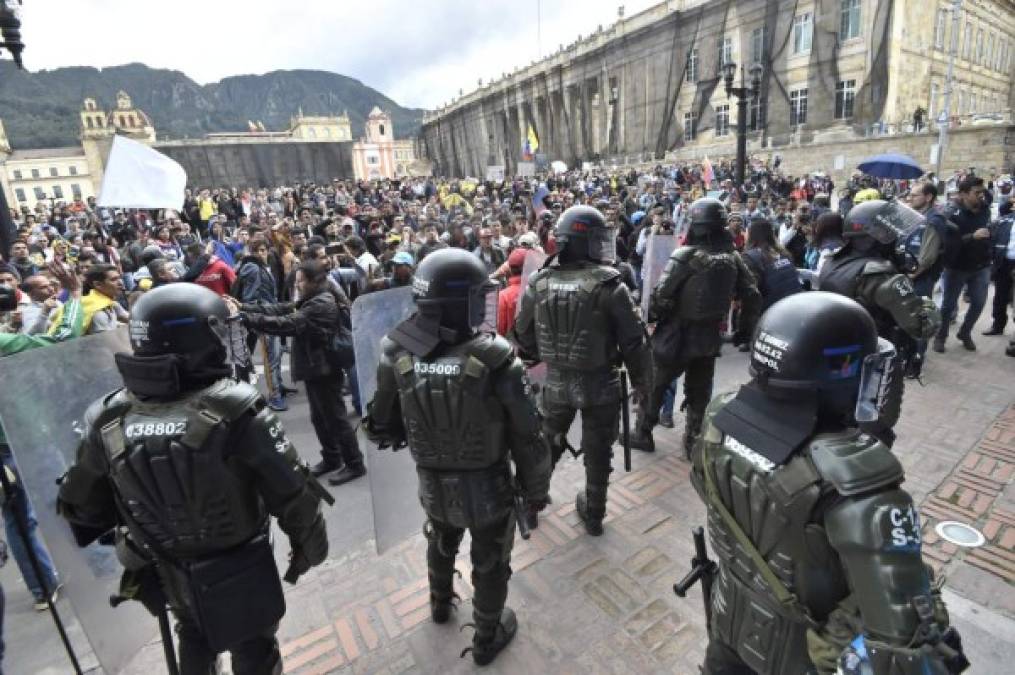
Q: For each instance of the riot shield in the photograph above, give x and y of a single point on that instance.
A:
(657, 253)
(534, 261)
(397, 512)
(42, 417)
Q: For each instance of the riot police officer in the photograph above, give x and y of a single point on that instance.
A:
(578, 318)
(817, 542)
(460, 400)
(866, 270)
(689, 303)
(187, 465)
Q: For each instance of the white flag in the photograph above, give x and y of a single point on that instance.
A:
(138, 177)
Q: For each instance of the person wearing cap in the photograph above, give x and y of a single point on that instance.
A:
(507, 300)
(402, 266)
(491, 256)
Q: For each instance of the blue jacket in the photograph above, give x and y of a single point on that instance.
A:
(257, 284)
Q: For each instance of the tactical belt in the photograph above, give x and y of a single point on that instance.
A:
(786, 598)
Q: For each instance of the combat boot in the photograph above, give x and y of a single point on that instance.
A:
(492, 636)
(591, 514)
(440, 607)
(641, 439)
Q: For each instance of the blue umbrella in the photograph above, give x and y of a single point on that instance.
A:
(891, 165)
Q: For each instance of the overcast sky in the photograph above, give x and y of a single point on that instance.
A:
(418, 52)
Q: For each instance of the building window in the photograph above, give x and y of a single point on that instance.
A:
(75, 189)
(53, 172)
(967, 43)
(380, 127)
(39, 193)
(939, 28)
(989, 59)
(690, 126)
(725, 51)
(758, 36)
(17, 174)
(327, 132)
(756, 118)
(999, 53)
(798, 106)
(849, 19)
(373, 159)
(73, 170)
(57, 192)
(20, 194)
(692, 65)
(35, 173)
(960, 106)
(845, 94)
(311, 132)
(89, 122)
(803, 28)
(722, 120)
(979, 46)
(932, 109)
(123, 121)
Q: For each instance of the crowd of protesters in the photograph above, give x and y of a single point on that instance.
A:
(290, 260)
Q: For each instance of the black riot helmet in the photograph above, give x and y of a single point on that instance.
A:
(582, 233)
(179, 335)
(880, 224)
(454, 283)
(827, 345)
(707, 216)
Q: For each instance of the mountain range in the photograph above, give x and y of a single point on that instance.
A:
(40, 109)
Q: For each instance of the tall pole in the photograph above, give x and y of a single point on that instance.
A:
(944, 120)
(539, 29)
(741, 140)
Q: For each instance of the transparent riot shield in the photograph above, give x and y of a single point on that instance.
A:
(657, 253)
(397, 512)
(534, 261)
(41, 417)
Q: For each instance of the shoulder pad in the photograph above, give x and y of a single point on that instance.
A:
(855, 463)
(684, 253)
(493, 350)
(540, 274)
(389, 347)
(873, 267)
(605, 273)
(229, 398)
(710, 433)
(114, 404)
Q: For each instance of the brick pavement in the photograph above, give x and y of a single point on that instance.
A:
(605, 605)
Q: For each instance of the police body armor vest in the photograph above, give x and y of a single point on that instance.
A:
(573, 328)
(708, 293)
(169, 464)
(842, 275)
(780, 509)
(455, 428)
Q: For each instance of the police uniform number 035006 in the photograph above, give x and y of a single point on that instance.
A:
(437, 368)
(155, 429)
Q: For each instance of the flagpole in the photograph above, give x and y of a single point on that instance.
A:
(539, 29)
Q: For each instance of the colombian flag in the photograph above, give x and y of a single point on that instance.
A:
(531, 145)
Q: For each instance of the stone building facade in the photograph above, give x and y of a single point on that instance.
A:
(649, 86)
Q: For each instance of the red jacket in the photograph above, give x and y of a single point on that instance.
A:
(507, 305)
(217, 276)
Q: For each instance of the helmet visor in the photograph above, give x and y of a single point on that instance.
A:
(603, 244)
(483, 303)
(894, 222)
(877, 375)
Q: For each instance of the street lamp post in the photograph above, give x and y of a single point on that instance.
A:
(743, 94)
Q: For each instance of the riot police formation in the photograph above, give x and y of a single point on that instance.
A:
(689, 304)
(460, 400)
(186, 466)
(817, 542)
(578, 318)
(867, 268)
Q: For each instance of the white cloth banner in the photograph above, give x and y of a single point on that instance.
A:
(138, 177)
